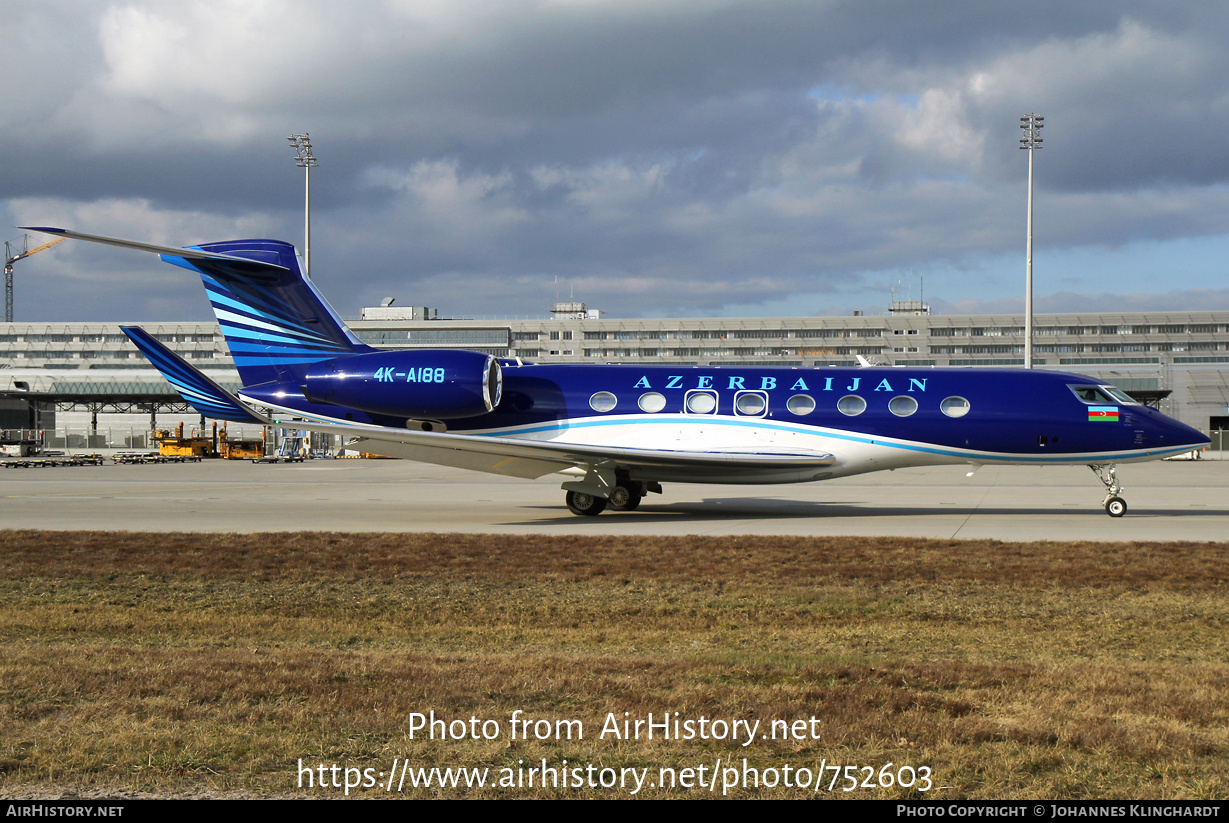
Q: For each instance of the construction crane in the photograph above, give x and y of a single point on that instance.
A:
(11, 256)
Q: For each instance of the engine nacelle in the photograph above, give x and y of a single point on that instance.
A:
(439, 384)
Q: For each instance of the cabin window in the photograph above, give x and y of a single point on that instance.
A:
(902, 405)
(851, 405)
(652, 402)
(800, 404)
(954, 406)
(751, 403)
(603, 401)
(701, 402)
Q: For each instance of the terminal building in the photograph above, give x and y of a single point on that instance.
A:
(1178, 361)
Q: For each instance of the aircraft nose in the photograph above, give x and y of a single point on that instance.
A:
(1174, 433)
(1152, 430)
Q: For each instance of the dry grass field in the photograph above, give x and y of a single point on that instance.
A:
(191, 663)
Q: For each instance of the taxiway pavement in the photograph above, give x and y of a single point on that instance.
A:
(1175, 500)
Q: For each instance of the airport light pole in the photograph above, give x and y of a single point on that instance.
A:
(1032, 125)
(304, 159)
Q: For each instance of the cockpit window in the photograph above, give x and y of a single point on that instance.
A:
(1119, 395)
(1091, 394)
(1098, 395)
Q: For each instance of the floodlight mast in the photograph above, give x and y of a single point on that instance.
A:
(1032, 125)
(304, 159)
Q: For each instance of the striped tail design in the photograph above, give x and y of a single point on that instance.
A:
(274, 320)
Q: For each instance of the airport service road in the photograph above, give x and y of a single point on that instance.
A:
(1184, 500)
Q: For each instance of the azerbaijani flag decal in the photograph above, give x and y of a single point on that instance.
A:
(1100, 413)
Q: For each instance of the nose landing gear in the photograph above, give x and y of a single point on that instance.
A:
(1114, 505)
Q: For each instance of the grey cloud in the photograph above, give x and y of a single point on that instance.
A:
(667, 156)
(1179, 300)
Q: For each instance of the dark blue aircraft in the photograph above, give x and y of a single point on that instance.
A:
(619, 432)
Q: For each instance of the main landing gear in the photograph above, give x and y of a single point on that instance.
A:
(1107, 473)
(588, 505)
(624, 496)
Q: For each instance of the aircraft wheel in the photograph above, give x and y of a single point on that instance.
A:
(624, 499)
(584, 504)
(1115, 507)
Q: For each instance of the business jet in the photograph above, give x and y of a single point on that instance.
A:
(618, 432)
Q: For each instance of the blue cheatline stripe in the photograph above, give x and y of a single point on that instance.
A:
(191, 388)
(244, 315)
(212, 405)
(258, 343)
(230, 319)
(277, 350)
(240, 350)
(284, 360)
(247, 317)
(264, 344)
(256, 298)
(232, 324)
(252, 306)
(758, 423)
(247, 333)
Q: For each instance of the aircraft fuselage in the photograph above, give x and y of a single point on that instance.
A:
(871, 418)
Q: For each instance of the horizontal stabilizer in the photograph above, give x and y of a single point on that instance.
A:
(188, 252)
(222, 264)
(199, 391)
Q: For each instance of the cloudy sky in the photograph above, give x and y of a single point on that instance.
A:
(651, 157)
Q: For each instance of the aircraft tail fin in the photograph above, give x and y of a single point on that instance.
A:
(274, 320)
(199, 391)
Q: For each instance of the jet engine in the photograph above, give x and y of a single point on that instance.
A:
(437, 384)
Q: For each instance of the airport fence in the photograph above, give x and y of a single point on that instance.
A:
(135, 438)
